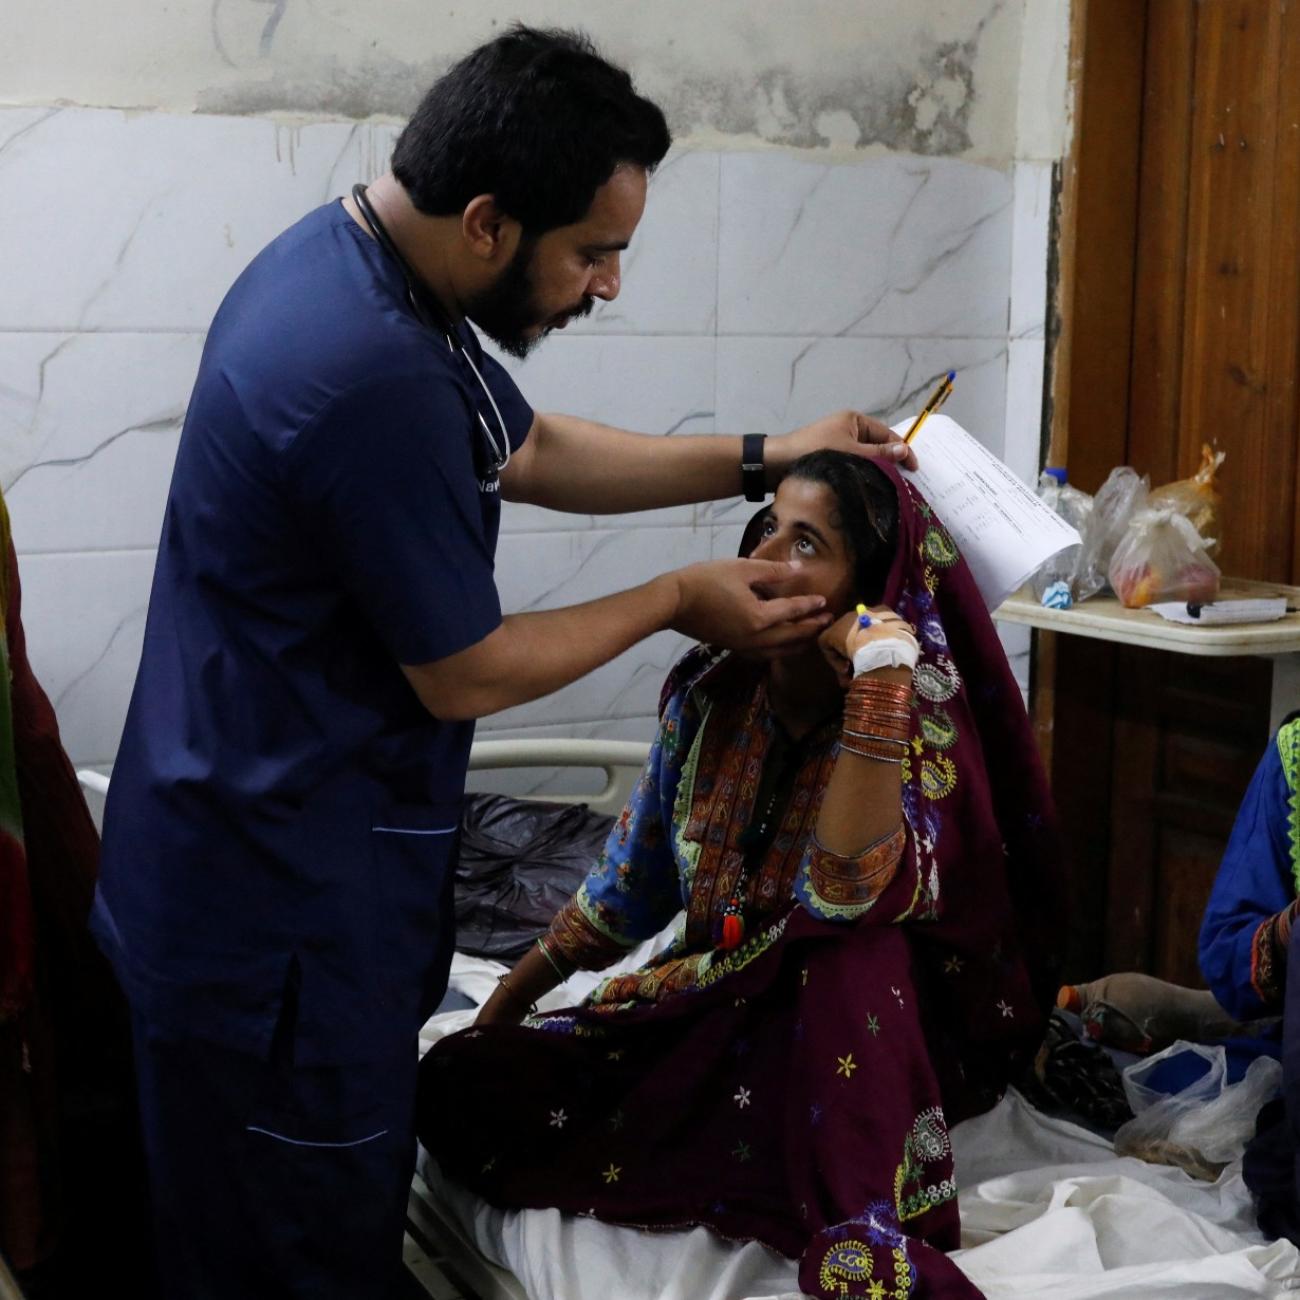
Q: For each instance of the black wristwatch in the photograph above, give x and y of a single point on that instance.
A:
(753, 478)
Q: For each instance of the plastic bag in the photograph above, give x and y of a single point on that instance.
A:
(1207, 1124)
(1162, 557)
(1197, 498)
(1074, 507)
(520, 862)
(1122, 494)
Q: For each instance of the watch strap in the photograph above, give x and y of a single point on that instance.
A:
(753, 476)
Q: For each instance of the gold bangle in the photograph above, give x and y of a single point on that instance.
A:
(503, 981)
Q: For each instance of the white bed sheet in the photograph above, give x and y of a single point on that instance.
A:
(1048, 1210)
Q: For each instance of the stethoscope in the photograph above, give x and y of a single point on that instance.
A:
(428, 311)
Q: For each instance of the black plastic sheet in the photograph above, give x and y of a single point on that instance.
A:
(520, 862)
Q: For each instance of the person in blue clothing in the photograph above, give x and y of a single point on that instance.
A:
(324, 628)
(1247, 960)
(1248, 921)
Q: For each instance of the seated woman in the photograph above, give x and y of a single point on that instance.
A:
(1245, 941)
(860, 852)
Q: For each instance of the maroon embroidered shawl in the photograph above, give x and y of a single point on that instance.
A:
(798, 1090)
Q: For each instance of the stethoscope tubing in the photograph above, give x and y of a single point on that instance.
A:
(427, 315)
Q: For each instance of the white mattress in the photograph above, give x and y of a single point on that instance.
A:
(1047, 1209)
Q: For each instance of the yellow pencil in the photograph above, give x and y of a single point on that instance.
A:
(939, 397)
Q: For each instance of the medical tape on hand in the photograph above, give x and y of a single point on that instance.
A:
(900, 651)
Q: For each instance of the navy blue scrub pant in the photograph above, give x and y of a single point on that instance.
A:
(271, 1181)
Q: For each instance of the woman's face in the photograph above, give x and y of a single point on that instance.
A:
(800, 526)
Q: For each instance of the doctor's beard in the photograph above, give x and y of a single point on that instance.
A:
(508, 312)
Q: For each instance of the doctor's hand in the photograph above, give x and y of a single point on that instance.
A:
(844, 431)
(736, 604)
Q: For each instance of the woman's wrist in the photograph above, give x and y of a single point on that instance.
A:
(561, 968)
(878, 716)
(507, 992)
(879, 706)
(889, 676)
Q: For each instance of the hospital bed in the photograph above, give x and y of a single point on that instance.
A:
(1047, 1207)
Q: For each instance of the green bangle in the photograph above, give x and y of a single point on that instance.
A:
(550, 957)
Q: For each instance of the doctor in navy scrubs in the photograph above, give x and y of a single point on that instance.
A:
(324, 628)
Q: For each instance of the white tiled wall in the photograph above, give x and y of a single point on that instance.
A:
(890, 248)
(762, 290)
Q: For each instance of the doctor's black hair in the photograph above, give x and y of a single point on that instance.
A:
(536, 118)
(866, 512)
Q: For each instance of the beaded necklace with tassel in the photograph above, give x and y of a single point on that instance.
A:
(784, 758)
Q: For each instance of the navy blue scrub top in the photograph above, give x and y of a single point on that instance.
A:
(282, 811)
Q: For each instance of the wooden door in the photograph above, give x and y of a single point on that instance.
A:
(1184, 329)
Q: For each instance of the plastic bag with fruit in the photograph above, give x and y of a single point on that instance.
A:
(1197, 498)
(1163, 557)
(1122, 494)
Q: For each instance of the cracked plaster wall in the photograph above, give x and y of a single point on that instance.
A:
(930, 77)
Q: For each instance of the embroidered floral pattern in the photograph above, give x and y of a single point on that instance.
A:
(650, 983)
(558, 1023)
(848, 1261)
(927, 1144)
(687, 974)
(731, 747)
(838, 888)
(926, 1198)
(929, 774)
(930, 1135)
(938, 777)
(849, 1264)
(576, 935)
(1267, 965)
(937, 681)
(938, 730)
(939, 548)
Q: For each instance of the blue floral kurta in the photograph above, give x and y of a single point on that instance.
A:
(676, 848)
